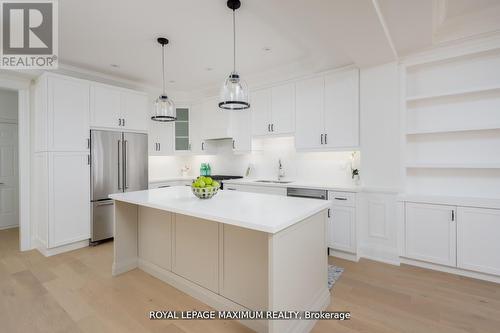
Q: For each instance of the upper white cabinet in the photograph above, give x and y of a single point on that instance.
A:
(430, 233)
(105, 106)
(342, 109)
(216, 122)
(242, 132)
(309, 115)
(117, 108)
(273, 110)
(161, 138)
(197, 143)
(62, 114)
(327, 111)
(135, 110)
(478, 247)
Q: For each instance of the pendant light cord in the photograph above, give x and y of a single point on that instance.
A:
(234, 41)
(163, 68)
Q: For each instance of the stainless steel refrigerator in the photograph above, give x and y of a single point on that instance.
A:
(119, 163)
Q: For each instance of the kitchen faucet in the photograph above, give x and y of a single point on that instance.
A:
(281, 172)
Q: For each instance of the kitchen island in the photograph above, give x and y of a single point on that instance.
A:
(236, 251)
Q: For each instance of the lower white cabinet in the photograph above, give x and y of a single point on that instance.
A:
(430, 233)
(478, 246)
(342, 221)
(342, 228)
(255, 189)
(61, 198)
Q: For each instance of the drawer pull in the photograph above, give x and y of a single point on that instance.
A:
(339, 198)
(231, 189)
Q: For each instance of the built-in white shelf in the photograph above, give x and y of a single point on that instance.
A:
(450, 130)
(452, 93)
(453, 165)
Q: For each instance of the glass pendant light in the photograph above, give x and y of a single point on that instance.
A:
(164, 106)
(234, 92)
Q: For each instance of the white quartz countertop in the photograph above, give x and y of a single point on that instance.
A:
(297, 184)
(256, 211)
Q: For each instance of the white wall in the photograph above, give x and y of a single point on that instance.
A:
(333, 167)
(380, 164)
(8, 106)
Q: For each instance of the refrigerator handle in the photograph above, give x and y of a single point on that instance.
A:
(125, 162)
(119, 165)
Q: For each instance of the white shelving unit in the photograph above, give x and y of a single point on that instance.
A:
(452, 138)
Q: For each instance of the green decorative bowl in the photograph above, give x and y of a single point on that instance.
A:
(204, 192)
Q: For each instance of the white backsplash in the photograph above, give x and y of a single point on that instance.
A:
(333, 167)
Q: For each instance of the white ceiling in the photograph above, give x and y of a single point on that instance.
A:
(304, 36)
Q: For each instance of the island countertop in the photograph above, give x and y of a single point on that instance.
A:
(256, 211)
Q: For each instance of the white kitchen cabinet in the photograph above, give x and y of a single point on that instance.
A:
(342, 228)
(170, 183)
(242, 132)
(62, 114)
(161, 138)
(327, 111)
(430, 233)
(273, 110)
(216, 122)
(260, 108)
(256, 189)
(135, 110)
(197, 144)
(342, 109)
(309, 114)
(117, 108)
(478, 247)
(283, 109)
(69, 198)
(105, 106)
(342, 221)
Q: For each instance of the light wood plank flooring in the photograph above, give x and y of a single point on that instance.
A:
(74, 292)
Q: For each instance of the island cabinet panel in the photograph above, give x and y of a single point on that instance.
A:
(196, 251)
(244, 277)
(155, 237)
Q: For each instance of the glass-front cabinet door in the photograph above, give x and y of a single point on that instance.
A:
(182, 130)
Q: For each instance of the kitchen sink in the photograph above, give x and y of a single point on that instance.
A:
(273, 181)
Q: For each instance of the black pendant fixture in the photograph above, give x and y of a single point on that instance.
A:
(164, 106)
(234, 93)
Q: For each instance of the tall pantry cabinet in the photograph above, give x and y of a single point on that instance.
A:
(61, 163)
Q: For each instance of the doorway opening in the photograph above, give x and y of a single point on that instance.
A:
(9, 162)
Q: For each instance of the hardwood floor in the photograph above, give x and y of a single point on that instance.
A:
(74, 292)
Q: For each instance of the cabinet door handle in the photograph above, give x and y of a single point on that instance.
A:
(231, 189)
(123, 121)
(203, 146)
(233, 145)
(88, 159)
(453, 215)
(339, 198)
(329, 213)
(88, 143)
(269, 127)
(119, 121)
(272, 127)
(163, 186)
(159, 146)
(321, 138)
(326, 138)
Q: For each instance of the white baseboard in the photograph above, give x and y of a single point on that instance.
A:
(452, 270)
(61, 249)
(5, 227)
(122, 267)
(343, 255)
(206, 296)
(382, 254)
(320, 304)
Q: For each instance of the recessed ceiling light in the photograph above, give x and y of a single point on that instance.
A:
(171, 81)
(267, 49)
(115, 65)
(208, 69)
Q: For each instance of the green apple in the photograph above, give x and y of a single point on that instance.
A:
(215, 184)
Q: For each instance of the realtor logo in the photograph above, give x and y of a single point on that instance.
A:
(29, 34)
